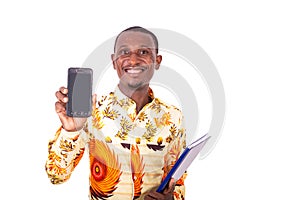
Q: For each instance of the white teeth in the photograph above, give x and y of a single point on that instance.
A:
(134, 71)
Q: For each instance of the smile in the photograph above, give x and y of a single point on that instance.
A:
(135, 70)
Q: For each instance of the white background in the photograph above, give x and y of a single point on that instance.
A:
(255, 46)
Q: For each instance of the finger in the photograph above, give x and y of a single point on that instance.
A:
(68, 123)
(61, 97)
(171, 186)
(61, 112)
(156, 195)
(171, 183)
(94, 101)
(60, 107)
(63, 90)
(148, 197)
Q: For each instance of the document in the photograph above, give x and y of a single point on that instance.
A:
(184, 161)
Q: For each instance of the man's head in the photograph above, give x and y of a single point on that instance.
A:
(135, 57)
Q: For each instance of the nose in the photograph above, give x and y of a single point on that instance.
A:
(133, 59)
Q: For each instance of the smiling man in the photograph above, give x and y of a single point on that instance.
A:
(133, 138)
(135, 60)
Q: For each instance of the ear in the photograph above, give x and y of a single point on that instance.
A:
(112, 56)
(158, 61)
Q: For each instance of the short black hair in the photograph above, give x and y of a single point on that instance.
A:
(139, 29)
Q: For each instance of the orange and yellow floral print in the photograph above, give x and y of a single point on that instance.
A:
(55, 138)
(110, 113)
(108, 139)
(97, 119)
(181, 180)
(113, 99)
(126, 126)
(138, 140)
(126, 103)
(165, 120)
(129, 151)
(173, 133)
(142, 116)
(156, 106)
(150, 131)
(175, 150)
(132, 116)
(173, 154)
(105, 170)
(78, 157)
(137, 170)
(53, 167)
(159, 140)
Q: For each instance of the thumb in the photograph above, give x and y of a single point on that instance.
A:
(94, 101)
(172, 184)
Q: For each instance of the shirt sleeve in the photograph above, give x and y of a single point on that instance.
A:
(64, 153)
(177, 145)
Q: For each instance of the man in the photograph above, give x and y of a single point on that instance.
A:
(133, 138)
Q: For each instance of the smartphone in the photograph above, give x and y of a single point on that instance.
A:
(79, 92)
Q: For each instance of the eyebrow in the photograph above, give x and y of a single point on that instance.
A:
(148, 47)
(122, 46)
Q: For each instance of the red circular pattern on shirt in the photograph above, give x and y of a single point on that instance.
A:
(98, 170)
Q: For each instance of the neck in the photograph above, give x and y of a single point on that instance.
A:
(139, 95)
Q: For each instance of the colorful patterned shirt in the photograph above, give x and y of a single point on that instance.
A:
(130, 153)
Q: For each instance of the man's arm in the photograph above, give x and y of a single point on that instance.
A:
(67, 147)
(64, 153)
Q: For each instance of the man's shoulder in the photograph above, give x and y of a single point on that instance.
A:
(167, 107)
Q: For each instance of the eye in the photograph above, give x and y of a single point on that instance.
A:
(143, 52)
(124, 52)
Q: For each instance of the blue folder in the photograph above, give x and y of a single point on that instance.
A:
(184, 161)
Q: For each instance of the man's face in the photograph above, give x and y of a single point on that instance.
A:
(135, 59)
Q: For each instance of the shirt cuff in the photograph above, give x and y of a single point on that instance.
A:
(68, 134)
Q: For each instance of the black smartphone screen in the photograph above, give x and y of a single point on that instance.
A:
(79, 92)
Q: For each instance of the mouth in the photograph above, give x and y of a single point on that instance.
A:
(134, 70)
